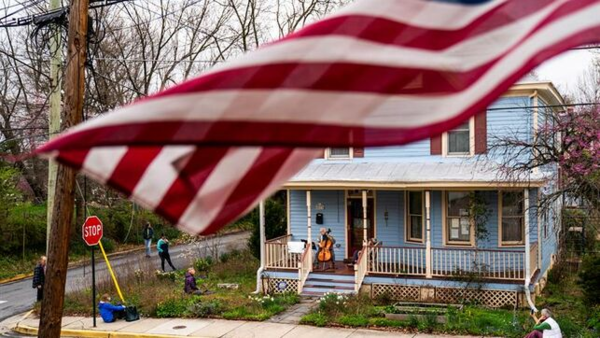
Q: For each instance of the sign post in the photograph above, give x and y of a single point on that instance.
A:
(92, 232)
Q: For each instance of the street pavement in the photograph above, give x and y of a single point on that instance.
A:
(18, 297)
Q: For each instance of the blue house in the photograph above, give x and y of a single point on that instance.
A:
(414, 200)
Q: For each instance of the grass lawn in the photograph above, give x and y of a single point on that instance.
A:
(161, 295)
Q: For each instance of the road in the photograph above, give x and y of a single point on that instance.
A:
(18, 297)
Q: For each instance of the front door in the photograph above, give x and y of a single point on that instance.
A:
(355, 223)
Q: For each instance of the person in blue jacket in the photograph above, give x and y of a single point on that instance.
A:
(109, 312)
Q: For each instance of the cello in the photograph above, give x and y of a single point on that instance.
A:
(325, 250)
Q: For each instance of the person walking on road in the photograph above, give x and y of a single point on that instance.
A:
(39, 277)
(148, 235)
(163, 252)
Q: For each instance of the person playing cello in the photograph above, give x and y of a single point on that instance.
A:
(325, 252)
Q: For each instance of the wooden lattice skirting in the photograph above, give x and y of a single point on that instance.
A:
(489, 298)
(282, 285)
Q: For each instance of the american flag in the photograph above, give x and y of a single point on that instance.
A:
(378, 72)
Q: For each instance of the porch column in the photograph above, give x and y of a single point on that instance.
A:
(527, 245)
(539, 230)
(364, 207)
(309, 225)
(428, 258)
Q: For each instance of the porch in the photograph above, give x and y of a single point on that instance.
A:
(358, 215)
(492, 265)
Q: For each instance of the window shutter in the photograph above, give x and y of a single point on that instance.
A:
(359, 152)
(436, 145)
(481, 133)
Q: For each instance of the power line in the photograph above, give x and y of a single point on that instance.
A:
(21, 9)
(27, 20)
(157, 60)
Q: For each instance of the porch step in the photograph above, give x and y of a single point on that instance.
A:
(319, 283)
(329, 282)
(330, 276)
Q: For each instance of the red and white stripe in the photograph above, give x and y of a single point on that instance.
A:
(376, 73)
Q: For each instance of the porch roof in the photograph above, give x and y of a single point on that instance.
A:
(404, 174)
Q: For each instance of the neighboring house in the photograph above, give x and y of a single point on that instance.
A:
(414, 200)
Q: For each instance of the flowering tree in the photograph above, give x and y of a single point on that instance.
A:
(565, 148)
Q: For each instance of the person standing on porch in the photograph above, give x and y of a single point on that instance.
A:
(323, 236)
(148, 235)
(545, 326)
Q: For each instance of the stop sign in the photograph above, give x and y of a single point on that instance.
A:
(91, 231)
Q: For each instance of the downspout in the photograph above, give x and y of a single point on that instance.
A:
(261, 225)
(527, 251)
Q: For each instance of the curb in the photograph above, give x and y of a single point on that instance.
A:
(80, 263)
(33, 331)
(16, 278)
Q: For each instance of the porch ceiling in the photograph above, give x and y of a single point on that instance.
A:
(468, 174)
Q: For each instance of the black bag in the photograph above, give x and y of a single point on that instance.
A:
(131, 314)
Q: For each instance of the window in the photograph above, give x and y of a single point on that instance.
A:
(512, 217)
(458, 221)
(339, 153)
(459, 140)
(414, 219)
(545, 219)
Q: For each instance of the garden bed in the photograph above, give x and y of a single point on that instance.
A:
(421, 311)
(161, 295)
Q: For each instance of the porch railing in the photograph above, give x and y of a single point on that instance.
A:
(397, 260)
(533, 258)
(360, 268)
(304, 267)
(278, 255)
(492, 264)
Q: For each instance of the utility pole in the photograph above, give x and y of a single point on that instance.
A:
(54, 116)
(62, 214)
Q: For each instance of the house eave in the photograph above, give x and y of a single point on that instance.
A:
(326, 185)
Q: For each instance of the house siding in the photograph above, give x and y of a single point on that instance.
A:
(334, 216)
(415, 149)
(391, 232)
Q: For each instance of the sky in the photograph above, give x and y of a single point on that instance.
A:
(565, 69)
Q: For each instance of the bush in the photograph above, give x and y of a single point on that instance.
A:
(384, 322)
(203, 264)
(108, 244)
(232, 254)
(314, 318)
(206, 309)
(172, 308)
(332, 304)
(354, 320)
(589, 280)
(275, 217)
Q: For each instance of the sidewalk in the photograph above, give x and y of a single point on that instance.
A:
(210, 328)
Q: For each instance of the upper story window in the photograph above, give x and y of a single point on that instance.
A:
(339, 152)
(458, 221)
(343, 153)
(459, 140)
(414, 221)
(512, 218)
(468, 139)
